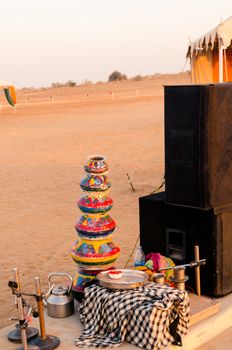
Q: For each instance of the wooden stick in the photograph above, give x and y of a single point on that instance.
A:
(40, 308)
(130, 182)
(19, 302)
(197, 270)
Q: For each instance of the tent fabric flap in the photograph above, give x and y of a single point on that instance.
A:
(223, 31)
(9, 92)
(202, 68)
(9, 96)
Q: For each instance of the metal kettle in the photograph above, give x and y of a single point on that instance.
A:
(58, 301)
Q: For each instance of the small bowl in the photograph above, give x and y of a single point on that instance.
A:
(115, 274)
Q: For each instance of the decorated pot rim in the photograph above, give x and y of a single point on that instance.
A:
(96, 157)
(94, 216)
(95, 236)
(96, 164)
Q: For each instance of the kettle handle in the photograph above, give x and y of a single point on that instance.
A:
(60, 274)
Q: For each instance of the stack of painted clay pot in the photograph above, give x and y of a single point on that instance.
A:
(94, 251)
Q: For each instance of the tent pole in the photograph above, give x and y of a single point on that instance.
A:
(220, 52)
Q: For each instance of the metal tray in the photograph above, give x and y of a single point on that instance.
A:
(130, 279)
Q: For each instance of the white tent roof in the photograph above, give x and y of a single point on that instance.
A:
(223, 31)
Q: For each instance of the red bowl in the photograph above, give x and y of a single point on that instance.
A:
(115, 274)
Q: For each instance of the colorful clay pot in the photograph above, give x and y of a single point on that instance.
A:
(95, 225)
(96, 165)
(94, 250)
(95, 253)
(81, 278)
(95, 202)
(95, 183)
(84, 276)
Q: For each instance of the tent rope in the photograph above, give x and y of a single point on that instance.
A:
(132, 252)
(160, 186)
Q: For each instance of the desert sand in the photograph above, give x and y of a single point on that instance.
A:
(44, 144)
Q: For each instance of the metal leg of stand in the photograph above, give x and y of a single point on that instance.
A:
(19, 301)
(44, 342)
(179, 278)
(40, 308)
(23, 330)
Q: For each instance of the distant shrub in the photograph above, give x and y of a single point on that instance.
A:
(137, 78)
(117, 76)
(57, 85)
(70, 83)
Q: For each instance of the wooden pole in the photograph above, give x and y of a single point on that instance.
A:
(197, 270)
(220, 60)
(19, 302)
(225, 65)
(40, 307)
(16, 277)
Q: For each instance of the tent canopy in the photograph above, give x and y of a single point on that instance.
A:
(207, 41)
(211, 55)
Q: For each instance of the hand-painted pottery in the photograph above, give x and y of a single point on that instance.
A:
(94, 253)
(95, 202)
(95, 250)
(95, 183)
(80, 279)
(95, 225)
(96, 165)
(84, 276)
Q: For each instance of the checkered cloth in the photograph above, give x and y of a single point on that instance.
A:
(150, 317)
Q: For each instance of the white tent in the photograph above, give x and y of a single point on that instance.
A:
(211, 54)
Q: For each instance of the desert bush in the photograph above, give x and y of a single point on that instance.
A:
(57, 85)
(117, 76)
(137, 78)
(70, 83)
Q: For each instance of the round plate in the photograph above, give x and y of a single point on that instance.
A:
(130, 279)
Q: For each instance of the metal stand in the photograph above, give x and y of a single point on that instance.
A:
(22, 333)
(179, 278)
(44, 342)
(179, 272)
(15, 335)
(158, 278)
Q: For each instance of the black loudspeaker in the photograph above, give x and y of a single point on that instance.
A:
(174, 230)
(198, 146)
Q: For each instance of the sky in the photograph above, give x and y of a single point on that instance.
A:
(47, 41)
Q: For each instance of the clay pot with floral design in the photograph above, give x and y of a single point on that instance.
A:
(94, 249)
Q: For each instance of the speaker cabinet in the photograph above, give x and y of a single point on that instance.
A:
(198, 146)
(174, 230)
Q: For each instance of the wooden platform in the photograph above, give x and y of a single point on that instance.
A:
(202, 307)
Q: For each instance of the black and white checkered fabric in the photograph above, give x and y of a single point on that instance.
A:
(149, 317)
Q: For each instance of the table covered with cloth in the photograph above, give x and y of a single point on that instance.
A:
(151, 316)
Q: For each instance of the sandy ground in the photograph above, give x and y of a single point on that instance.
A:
(44, 145)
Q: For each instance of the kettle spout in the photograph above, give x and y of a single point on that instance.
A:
(45, 304)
